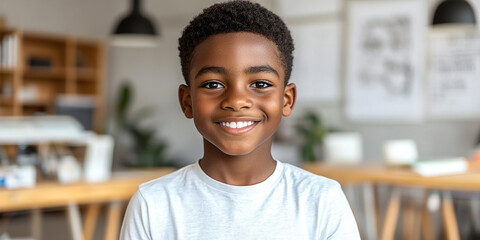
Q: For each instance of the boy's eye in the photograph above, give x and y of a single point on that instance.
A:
(212, 85)
(261, 84)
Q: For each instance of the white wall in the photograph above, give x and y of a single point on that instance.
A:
(84, 18)
(156, 74)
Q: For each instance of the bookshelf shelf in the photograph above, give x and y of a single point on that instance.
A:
(86, 74)
(5, 100)
(5, 111)
(6, 31)
(37, 103)
(45, 73)
(4, 70)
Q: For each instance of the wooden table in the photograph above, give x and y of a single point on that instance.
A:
(403, 177)
(115, 192)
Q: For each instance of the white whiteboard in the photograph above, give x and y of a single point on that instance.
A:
(385, 61)
(454, 74)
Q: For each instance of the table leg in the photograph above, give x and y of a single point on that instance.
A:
(427, 223)
(36, 223)
(409, 225)
(75, 221)
(351, 195)
(90, 220)
(449, 218)
(113, 220)
(475, 208)
(349, 191)
(5, 218)
(391, 216)
(370, 212)
(417, 227)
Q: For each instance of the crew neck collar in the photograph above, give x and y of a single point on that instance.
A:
(263, 186)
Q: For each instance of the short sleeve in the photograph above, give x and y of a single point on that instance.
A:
(136, 224)
(341, 222)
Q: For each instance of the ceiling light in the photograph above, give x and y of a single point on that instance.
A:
(135, 30)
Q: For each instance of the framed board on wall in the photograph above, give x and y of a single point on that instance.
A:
(384, 60)
(453, 74)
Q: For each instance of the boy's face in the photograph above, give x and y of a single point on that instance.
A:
(236, 94)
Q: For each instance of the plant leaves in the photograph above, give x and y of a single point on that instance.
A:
(148, 150)
(123, 103)
(314, 119)
(303, 130)
(312, 130)
(141, 114)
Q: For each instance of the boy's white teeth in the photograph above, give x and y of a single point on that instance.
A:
(237, 124)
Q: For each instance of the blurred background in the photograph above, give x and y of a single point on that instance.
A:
(380, 82)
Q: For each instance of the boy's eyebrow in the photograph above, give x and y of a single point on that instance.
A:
(251, 70)
(210, 69)
(263, 68)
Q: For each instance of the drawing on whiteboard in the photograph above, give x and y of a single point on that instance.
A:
(454, 70)
(384, 55)
(385, 60)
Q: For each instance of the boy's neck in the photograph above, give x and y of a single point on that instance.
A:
(249, 169)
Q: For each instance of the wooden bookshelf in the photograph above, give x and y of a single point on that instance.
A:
(41, 67)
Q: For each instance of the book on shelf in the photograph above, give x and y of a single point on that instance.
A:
(438, 167)
(8, 51)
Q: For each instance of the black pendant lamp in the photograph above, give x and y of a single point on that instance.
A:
(454, 12)
(135, 29)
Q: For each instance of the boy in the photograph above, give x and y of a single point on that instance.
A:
(236, 59)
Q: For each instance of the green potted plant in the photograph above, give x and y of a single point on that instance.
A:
(312, 130)
(148, 150)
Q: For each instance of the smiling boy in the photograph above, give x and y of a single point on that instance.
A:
(236, 60)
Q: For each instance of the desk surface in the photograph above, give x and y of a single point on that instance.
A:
(120, 187)
(468, 181)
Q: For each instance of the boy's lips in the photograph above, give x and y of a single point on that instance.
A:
(237, 126)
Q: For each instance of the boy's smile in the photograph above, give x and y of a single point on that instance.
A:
(236, 93)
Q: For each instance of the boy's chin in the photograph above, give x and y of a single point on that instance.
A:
(234, 148)
(238, 150)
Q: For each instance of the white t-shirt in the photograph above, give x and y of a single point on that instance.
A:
(290, 204)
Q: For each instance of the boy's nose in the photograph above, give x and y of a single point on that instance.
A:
(236, 100)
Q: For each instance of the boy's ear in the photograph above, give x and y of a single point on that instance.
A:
(289, 98)
(185, 100)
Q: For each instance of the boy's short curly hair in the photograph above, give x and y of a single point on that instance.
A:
(236, 16)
